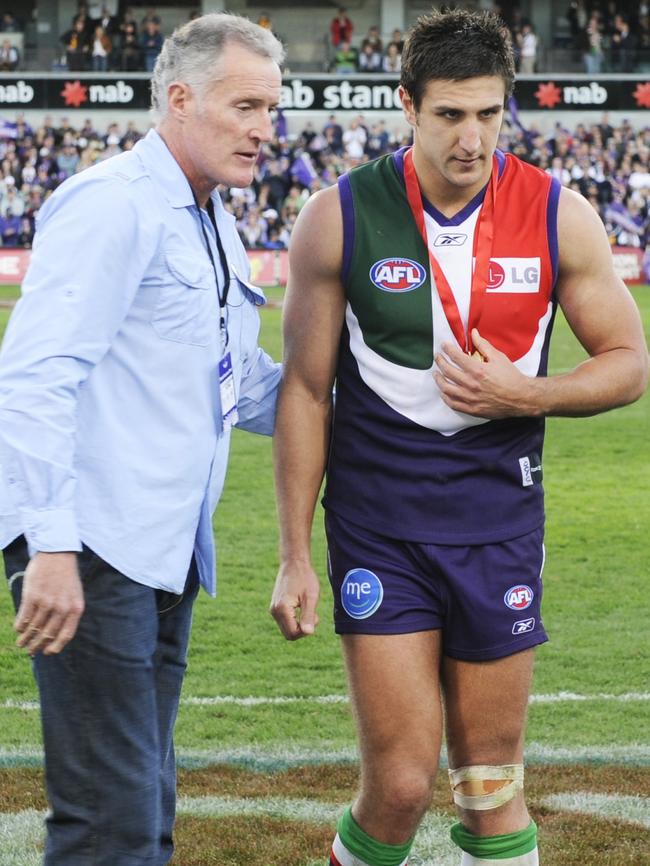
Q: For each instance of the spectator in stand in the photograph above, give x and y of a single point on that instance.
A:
(102, 48)
(151, 15)
(131, 136)
(9, 24)
(577, 18)
(373, 38)
(83, 15)
(11, 203)
(130, 52)
(346, 59)
(9, 230)
(392, 59)
(370, 60)
(264, 20)
(354, 140)
(108, 22)
(128, 18)
(68, 160)
(378, 141)
(397, 39)
(76, 45)
(341, 28)
(333, 132)
(527, 43)
(26, 234)
(623, 45)
(592, 45)
(9, 56)
(151, 42)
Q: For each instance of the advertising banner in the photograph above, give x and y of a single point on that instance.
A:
(81, 91)
(271, 267)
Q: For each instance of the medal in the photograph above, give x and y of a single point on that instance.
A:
(482, 251)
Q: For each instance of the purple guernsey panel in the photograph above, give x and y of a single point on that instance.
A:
(409, 482)
(347, 210)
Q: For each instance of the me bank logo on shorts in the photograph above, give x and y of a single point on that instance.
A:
(361, 593)
(397, 275)
(519, 597)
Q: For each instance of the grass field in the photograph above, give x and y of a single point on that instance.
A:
(265, 737)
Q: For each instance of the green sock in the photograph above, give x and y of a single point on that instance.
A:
(496, 847)
(365, 848)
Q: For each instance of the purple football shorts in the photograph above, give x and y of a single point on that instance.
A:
(486, 598)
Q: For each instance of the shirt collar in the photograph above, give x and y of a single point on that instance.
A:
(167, 173)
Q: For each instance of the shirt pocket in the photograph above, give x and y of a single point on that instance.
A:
(185, 310)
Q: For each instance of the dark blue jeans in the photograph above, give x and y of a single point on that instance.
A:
(108, 706)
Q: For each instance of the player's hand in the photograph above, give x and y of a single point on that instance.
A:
(487, 384)
(51, 604)
(294, 600)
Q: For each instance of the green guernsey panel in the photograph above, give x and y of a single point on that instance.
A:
(388, 284)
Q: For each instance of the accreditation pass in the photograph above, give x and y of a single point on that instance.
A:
(229, 413)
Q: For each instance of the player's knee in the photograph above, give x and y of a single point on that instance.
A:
(409, 793)
(481, 788)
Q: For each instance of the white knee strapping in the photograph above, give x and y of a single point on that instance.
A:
(484, 796)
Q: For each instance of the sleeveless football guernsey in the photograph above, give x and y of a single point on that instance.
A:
(401, 461)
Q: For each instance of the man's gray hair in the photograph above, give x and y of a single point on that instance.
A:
(191, 52)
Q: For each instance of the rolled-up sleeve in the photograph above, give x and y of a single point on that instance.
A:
(259, 394)
(90, 252)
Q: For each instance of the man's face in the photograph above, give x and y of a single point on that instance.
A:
(227, 124)
(456, 128)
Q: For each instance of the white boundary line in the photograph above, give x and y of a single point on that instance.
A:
(22, 833)
(279, 700)
(272, 758)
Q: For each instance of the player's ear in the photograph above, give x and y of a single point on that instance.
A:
(408, 106)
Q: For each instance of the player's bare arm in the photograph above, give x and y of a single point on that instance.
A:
(313, 316)
(602, 315)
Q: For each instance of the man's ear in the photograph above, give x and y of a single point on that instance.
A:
(179, 99)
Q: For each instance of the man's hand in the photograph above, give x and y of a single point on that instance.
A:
(487, 384)
(51, 605)
(297, 589)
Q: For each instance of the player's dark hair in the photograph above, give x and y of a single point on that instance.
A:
(455, 45)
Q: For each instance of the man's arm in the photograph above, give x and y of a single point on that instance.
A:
(89, 255)
(601, 313)
(313, 317)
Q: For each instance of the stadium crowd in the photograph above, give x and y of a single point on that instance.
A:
(605, 35)
(609, 166)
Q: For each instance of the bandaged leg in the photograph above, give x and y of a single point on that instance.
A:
(480, 788)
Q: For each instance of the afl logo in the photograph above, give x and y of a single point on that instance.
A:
(519, 597)
(397, 275)
(496, 275)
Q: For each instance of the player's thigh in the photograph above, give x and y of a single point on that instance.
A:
(485, 706)
(395, 690)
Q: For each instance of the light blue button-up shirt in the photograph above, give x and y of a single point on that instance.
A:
(110, 416)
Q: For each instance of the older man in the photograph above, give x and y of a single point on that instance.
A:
(130, 356)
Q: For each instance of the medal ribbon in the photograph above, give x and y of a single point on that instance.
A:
(483, 237)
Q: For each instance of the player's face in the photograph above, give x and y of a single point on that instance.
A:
(226, 126)
(456, 130)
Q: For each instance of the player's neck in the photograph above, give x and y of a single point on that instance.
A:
(446, 196)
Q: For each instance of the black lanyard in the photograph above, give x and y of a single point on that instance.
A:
(224, 264)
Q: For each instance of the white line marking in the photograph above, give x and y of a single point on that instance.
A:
(263, 700)
(275, 758)
(632, 810)
(21, 838)
(22, 834)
